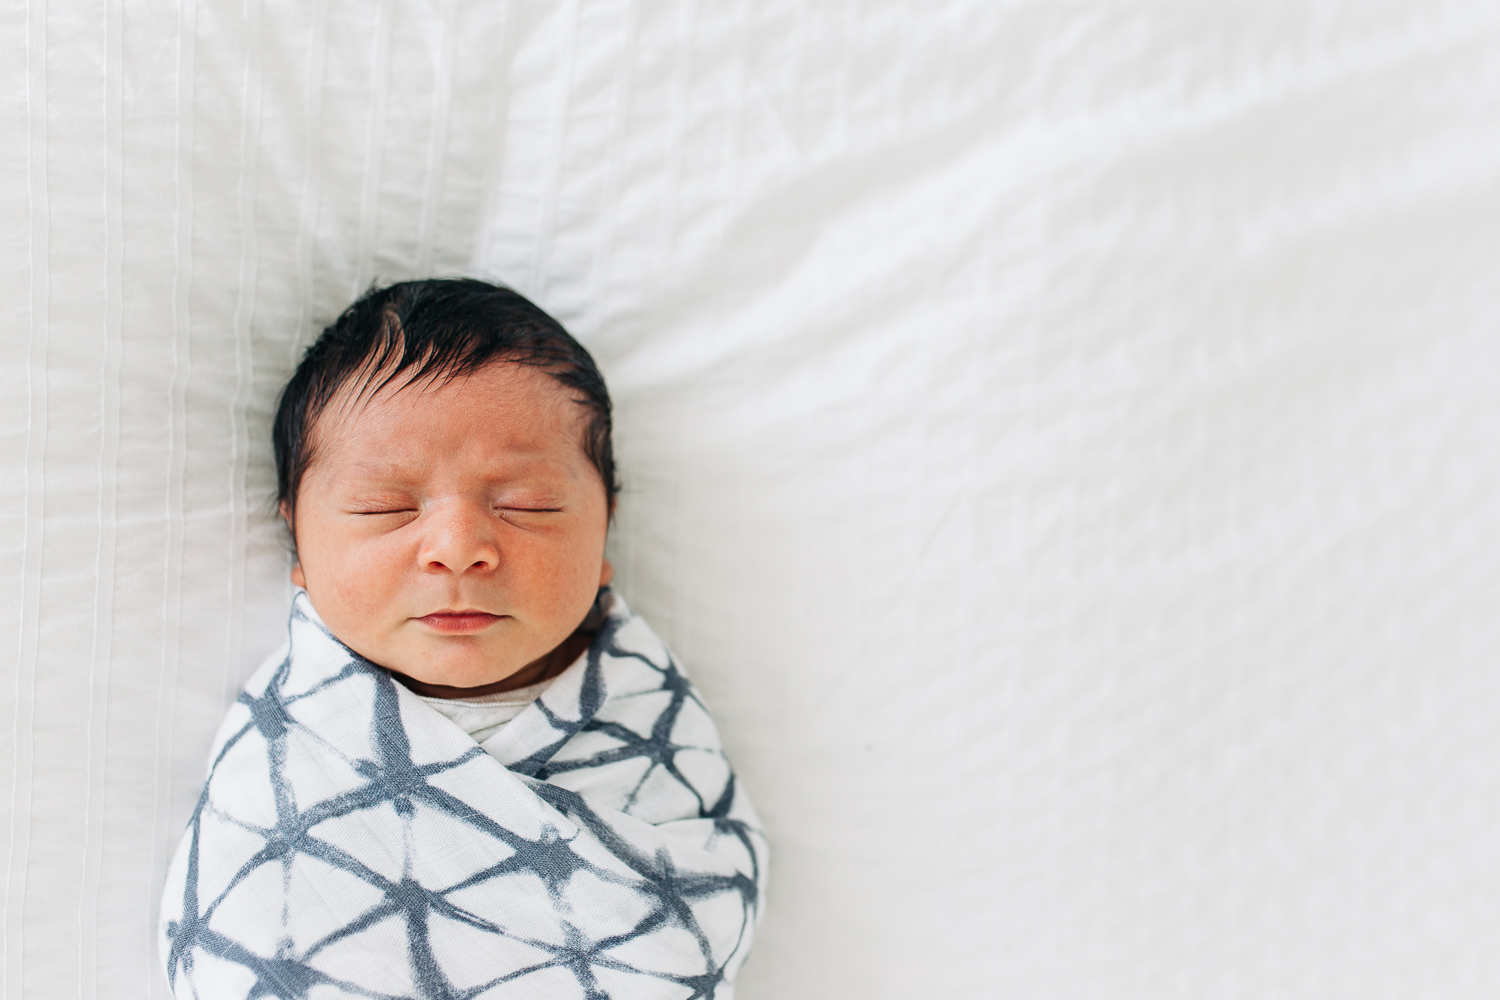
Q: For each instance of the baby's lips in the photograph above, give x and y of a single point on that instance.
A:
(459, 622)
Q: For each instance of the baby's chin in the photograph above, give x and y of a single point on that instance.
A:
(465, 670)
(455, 661)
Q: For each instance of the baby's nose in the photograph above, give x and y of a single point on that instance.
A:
(460, 537)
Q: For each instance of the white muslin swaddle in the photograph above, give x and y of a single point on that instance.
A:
(352, 841)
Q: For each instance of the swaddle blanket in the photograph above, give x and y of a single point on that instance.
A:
(351, 841)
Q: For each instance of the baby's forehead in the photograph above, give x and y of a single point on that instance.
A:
(505, 403)
(511, 388)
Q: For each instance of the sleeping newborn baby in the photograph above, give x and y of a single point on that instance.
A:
(471, 771)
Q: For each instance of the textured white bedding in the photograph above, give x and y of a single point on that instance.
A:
(1075, 421)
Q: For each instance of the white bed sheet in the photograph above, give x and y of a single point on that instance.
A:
(1059, 438)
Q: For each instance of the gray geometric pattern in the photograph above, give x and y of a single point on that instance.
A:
(350, 841)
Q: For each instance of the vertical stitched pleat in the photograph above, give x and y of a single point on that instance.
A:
(437, 135)
(369, 202)
(108, 516)
(244, 328)
(556, 137)
(486, 227)
(176, 431)
(622, 44)
(39, 222)
(310, 203)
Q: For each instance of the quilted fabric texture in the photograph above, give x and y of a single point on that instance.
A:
(1059, 437)
(351, 841)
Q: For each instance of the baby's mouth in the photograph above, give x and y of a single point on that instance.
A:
(459, 622)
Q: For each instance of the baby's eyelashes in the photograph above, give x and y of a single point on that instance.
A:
(506, 511)
(523, 517)
(375, 508)
(415, 508)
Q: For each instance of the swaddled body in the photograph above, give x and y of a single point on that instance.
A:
(352, 839)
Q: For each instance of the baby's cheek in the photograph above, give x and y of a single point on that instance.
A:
(577, 593)
(551, 584)
(378, 565)
(360, 586)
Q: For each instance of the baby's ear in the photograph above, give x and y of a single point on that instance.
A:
(285, 510)
(606, 573)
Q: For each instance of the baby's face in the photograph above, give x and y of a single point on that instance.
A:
(453, 534)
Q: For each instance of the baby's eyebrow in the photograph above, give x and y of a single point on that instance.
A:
(395, 472)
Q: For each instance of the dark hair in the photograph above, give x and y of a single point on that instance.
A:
(438, 329)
